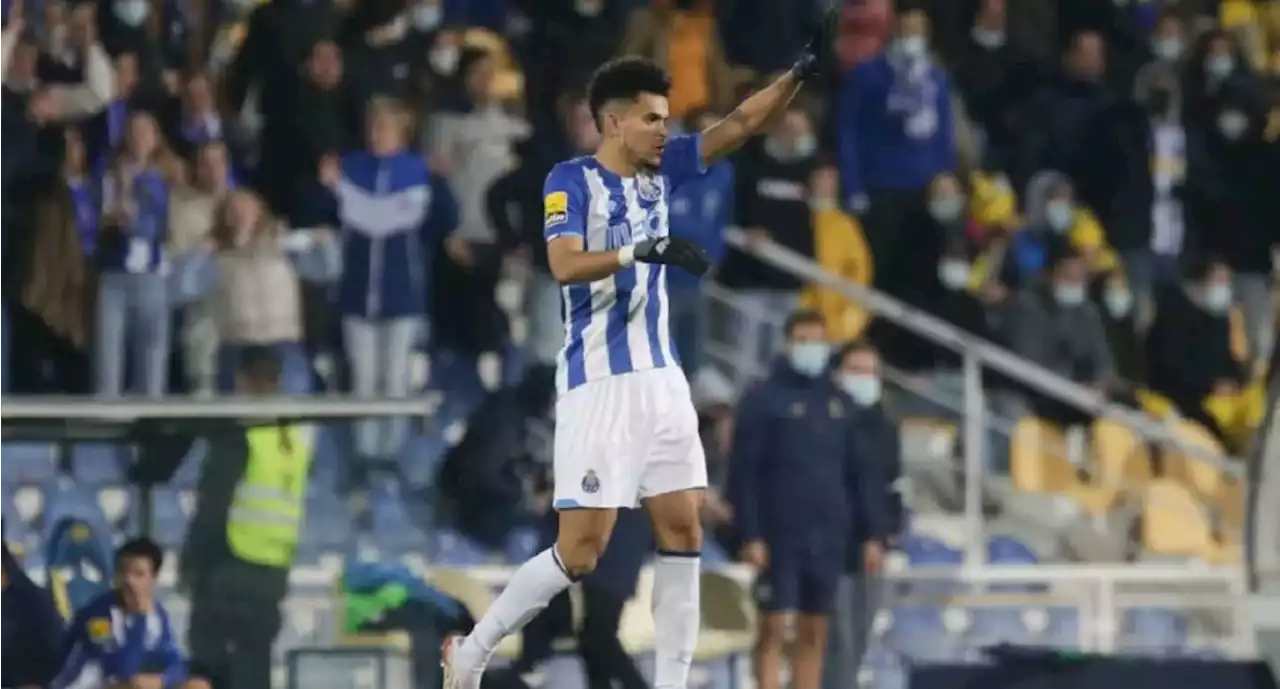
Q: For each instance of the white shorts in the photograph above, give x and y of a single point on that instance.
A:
(624, 438)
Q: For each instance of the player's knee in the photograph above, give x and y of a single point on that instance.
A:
(680, 532)
(811, 631)
(579, 553)
(773, 631)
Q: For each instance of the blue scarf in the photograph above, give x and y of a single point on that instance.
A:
(85, 203)
(914, 95)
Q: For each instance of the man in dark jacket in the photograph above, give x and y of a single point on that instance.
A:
(32, 629)
(857, 372)
(800, 489)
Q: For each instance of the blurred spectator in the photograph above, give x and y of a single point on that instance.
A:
(935, 370)
(841, 249)
(1144, 167)
(864, 27)
(392, 210)
(65, 219)
(1054, 324)
(858, 599)
(1053, 218)
(250, 274)
(1245, 206)
(714, 397)
(772, 204)
(698, 210)
(764, 35)
(1216, 68)
(1197, 323)
(322, 121)
(134, 314)
(994, 71)
(193, 209)
(1119, 311)
(895, 131)
(683, 37)
(472, 141)
(1054, 121)
(515, 210)
(1169, 39)
(126, 29)
(568, 39)
(198, 119)
(279, 39)
(376, 50)
(73, 63)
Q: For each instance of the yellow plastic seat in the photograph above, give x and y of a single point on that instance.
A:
(1038, 458)
(1121, 458)
(1202, 477)
(1173, 521)
(1231, 507)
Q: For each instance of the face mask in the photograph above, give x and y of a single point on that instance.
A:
(1217, 298)
(946, 208)
(912, 46)
(1118, 302)
(132, 12)
(987, 38)
(1059, 215)
(863, 388)
(809, 358)
(1167, 48)
(803, 147)
(444, 60)
(1233, 124)
(953, 275)
(427, 17)
(1069, 295)
(1219, 66)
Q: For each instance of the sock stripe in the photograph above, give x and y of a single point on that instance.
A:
(555, 555)
(682, 554)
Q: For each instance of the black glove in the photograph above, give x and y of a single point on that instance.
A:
(673, 251)
(820, 52)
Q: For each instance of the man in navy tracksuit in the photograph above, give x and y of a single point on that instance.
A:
(801, 489)
(857, 372)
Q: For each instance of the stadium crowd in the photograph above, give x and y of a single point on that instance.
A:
(1090, 183)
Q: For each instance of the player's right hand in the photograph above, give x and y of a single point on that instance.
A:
(673, 251)
(819, 53)
(755, 553)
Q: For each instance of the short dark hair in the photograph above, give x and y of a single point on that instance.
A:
(144, 547)
(625, 78)
(801, 317)
(853, 347)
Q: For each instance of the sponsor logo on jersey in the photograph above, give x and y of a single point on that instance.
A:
(555, 208)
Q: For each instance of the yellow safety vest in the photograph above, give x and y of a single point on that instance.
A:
(266, 511)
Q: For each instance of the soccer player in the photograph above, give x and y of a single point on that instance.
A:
(626, 431)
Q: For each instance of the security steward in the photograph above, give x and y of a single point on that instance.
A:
(799, 490)
(856, 368)
(242, 540)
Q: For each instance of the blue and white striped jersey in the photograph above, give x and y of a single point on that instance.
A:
(619, 324)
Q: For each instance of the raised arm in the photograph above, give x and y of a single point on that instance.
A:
(727, 135)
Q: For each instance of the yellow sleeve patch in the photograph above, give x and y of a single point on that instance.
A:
(556, 208)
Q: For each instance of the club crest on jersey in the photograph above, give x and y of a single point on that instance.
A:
(590, 483)
(649, 187)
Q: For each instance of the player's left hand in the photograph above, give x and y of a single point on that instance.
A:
(819, 52)
(674, 251)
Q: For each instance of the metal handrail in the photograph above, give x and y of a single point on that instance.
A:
(988, 354)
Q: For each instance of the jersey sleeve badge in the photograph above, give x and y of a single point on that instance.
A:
(555, 208)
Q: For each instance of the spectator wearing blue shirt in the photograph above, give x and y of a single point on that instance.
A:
(124, 637)
(133, 299)
(699, 211)
(894, 126)
(391, 209)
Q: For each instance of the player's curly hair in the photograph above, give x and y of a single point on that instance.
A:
(625, 78)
